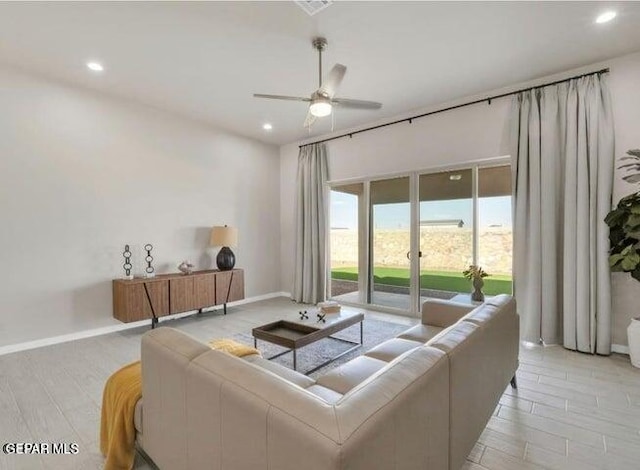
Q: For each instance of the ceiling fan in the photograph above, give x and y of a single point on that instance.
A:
(323, 99)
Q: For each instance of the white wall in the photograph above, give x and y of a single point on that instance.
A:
(81, 174)
(460, 136)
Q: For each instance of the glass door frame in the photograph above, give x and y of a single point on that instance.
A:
(365, 234)
(368, 289)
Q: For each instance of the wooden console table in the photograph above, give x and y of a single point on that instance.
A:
(167, 294)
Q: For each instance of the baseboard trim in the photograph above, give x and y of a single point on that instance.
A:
(39, 343)
(620, 349)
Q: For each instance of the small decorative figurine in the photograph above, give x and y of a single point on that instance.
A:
(150, 270)
(127, 262)
(321, 317)
(303, 315)
(186, 267)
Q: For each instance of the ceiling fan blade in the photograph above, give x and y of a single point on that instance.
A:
(356, 104)
(310, 119)
(332, 82)
(281, 97)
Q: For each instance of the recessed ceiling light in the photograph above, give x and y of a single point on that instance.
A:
(95, 66)
(606, 16)
(455, 177)
(267, 127)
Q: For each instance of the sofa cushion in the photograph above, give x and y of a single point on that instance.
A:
(443, 313)
(343, 378)
(453, 337)
(282, 371)
(392, 348)
(420, 333)
(328, 395)
(493, 308)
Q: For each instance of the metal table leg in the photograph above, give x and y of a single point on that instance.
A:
(154, 317)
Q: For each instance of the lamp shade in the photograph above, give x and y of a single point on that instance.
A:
(224, 236)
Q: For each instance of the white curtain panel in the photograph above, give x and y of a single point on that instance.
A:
(562, 150)
(310, 275)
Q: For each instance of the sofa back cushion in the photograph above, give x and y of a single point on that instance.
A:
(243, 416)
(443, 313)
(399, 417)
(483, 356)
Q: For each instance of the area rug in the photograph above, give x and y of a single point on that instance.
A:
(375, 332)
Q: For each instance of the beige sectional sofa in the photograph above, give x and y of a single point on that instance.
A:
(418, 401)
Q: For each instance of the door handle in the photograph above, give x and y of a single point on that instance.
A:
(409, 254)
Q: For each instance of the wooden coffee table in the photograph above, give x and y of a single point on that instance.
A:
(294, 333)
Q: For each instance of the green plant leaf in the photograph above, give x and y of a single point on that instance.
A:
(629, 201)
(630, 262)
(616, 236)
(614, 217)
(632, 222)
(615, 259)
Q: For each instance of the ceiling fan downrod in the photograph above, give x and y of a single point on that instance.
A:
(320, 44)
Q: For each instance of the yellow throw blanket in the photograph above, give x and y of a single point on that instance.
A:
(232, 347)
(121, 393)
(117, 433)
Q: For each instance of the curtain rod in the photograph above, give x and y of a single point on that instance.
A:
(451, 108)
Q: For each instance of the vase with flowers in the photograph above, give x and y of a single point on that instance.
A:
(476, 275)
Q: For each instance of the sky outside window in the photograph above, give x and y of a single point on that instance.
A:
(496, 212)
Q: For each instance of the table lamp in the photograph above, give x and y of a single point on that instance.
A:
(224, 237)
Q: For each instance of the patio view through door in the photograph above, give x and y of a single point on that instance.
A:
(390, 228)
(347, 243)
(396, 242)
(446, 232)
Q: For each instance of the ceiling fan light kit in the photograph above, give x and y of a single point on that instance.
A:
(323, 99)
(320, 106)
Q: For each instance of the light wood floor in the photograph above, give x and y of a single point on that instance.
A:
(571, 411)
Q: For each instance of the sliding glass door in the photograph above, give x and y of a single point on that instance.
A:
(390, 228)
(495, 229)
(446, 232)
(398, 241)
(348, 274)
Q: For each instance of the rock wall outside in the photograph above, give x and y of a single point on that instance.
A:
(443, 248)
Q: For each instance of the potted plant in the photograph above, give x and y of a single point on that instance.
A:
(476, 275)
(624, 238)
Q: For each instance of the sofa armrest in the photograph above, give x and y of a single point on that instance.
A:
(166, 353)
(443, 313)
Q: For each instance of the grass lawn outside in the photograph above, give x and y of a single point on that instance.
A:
(437, 280)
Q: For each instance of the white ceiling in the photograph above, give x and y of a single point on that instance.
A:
(204, 60)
